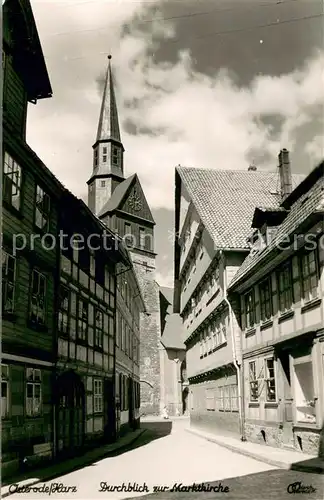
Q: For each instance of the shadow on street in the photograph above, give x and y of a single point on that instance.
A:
(152, 431)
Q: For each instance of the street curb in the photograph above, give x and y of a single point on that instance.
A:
(49, 477)
(261, 458)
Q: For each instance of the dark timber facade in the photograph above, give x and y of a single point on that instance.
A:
(58, 308)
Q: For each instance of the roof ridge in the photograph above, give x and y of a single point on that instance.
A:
(254, 172)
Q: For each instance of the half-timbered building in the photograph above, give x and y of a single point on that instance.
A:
(30, 212)
(213, 213)
(280, 291)
(85, 376)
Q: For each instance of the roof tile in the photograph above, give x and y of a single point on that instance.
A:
(225, 200)
(310, 202)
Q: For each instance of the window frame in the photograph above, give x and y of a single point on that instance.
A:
(98, 332)
(309, 276)
(32, 295)
(81, 321)
(33, 382)
(64, 311)
(285, 293)
(6, 282)
(115, 155)
(249, 325)
(45, 213)
(98, 396)
(11, 164)
(142, 235)
(104, 155)
(267, 379)
(210, 398)
(253, 382)
(265, 305)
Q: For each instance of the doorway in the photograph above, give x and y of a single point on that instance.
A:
(70, 422)
(287, 403)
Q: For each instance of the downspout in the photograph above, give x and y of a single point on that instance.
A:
(237, 366)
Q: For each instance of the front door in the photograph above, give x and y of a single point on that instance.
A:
(70, 414)
(287, 402)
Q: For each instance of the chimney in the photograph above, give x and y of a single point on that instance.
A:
(285, 173)
(252, 168)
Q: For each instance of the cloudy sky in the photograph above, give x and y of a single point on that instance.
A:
(201, 83)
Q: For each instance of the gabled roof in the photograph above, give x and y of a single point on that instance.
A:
(168, 294)
(118, 195)
(311, 202)
(225, 200)
(172, 333)
(171, 336)
(108, 127)
(120, 198)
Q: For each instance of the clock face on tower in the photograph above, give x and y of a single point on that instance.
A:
(135, 201)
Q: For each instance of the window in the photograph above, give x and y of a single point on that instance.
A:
(104, 155)
(121, 391)
(115, 156)
(309, 276)
(249, 310)
(265, 300)
(33, 392)
(97, 396)
(234, 397)
(103, 184)
(285, 288)
(83, 319)
(64, 297)
(84, 258)
(304, 393)
(227, 398)
(96, 157)
(201, 346)
(221, 399)
(270, 380)
(12, 182)
(210, 400)
(118, 329)
(98, 328)
(8, 282)
(142, 238)
(254, 385)
(38, 294)
(4, 391)
(42, 209)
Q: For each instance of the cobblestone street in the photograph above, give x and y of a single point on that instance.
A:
(180, 457)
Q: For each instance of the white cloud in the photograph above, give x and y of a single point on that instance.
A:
(164, 279)
(197, 120)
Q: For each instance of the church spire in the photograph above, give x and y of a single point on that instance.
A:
(108, 127)
(108, 150)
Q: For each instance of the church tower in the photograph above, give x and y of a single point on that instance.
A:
(108, 151)
(120, 203)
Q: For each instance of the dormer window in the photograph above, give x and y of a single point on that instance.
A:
(115, 156)
(104, 154)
